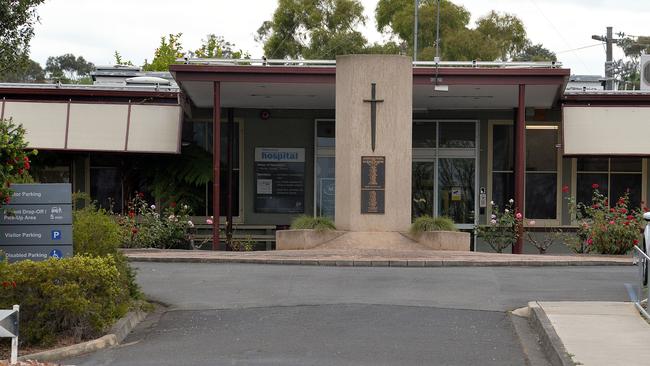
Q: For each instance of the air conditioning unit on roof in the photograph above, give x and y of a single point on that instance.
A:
(645, 72)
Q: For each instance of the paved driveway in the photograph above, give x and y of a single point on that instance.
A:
(240, 314)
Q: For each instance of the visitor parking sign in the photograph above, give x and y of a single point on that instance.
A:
(37, 224)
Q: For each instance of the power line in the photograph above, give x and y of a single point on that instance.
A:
(560, 35)
(581, 48)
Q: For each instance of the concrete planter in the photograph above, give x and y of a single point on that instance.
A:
(303, 239)
(444, 240)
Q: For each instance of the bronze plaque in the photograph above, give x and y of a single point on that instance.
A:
(373, 184)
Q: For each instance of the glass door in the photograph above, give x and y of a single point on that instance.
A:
(445, 158)
(324, 176)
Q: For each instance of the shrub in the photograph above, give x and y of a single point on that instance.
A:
(503, 228)
(428, 223)
(14, 158)
(95, 232)
(77, 297)
(605, 228)
(145, 227)
(319, 223)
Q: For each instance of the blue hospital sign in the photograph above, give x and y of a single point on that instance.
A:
(37, 224)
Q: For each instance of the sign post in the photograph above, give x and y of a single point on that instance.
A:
(37, 225)
(9, 328)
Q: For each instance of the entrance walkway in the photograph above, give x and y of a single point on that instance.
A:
(374, 258)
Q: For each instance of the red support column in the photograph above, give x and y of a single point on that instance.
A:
(520, 163)
(216, 160)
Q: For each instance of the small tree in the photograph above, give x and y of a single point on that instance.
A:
(166, 54)
(15, 159)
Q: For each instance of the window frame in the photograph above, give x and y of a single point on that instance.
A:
(490, 172)
(574, 178)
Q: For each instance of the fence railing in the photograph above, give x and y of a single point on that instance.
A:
(642, 261)
(332, 63)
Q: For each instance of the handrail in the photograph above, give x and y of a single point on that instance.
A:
(332, 63)
(643, 261)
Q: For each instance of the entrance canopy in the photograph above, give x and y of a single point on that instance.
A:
(312, 86)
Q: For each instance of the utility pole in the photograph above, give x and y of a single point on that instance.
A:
(415, 32)
(609, 62)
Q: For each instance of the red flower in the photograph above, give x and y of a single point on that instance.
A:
(595, 206)
(612, 210)
(7, 199)
(623, 210)
(140, 194)
(565, 189)
(134, 230)
(27, 166)
(25, 159)
(630, 217)
(20, 171)
(627, 223)
(131, 214)
(636, 241)
(595, 186)
(590, 241)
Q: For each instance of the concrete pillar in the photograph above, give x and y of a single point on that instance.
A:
(393, 77)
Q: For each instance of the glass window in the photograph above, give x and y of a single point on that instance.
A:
(541, 195)
(422, 190)
(325, 186)
(457, 134)
(502, 148)
(541, 150)
(223, 198)
(614, 176)
(326, 134)
(106, 187)
(541, 170)
(456, 189)
(424, 134)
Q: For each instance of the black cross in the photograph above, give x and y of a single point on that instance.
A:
(373, 113)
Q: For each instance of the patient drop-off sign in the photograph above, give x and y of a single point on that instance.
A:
(37, 224)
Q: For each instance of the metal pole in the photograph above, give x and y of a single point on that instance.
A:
(14, 340)
(438, 33)
(216, 161)
(415, 32)
(609, 72)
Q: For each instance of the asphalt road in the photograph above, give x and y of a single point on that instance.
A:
(230, 314)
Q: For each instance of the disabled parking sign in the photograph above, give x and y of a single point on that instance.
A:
(37, 224)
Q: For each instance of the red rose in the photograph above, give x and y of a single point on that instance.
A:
(565, 189)
(636, 242)
(630, 217)
(627, 223)
(595, 186)
(612, 210)
(27, 166)
(590, 241)
(131, 214)
(134, 230)
(623, 210)
(20, 171)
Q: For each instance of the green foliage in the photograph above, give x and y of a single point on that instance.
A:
(95, 232)
(495, 37)
(29, 71)
(145, 227)
(319, 223)
(217, 47)
(427, 223)
(503, 228)
(313, 29)
(118, 60)
(604, 228)
(14, 160)
(535, 53)
(77, 297)
(17, 18)
(626, 70)
(168, 51)
(68, 69)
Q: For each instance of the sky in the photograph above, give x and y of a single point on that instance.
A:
(95, 29)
